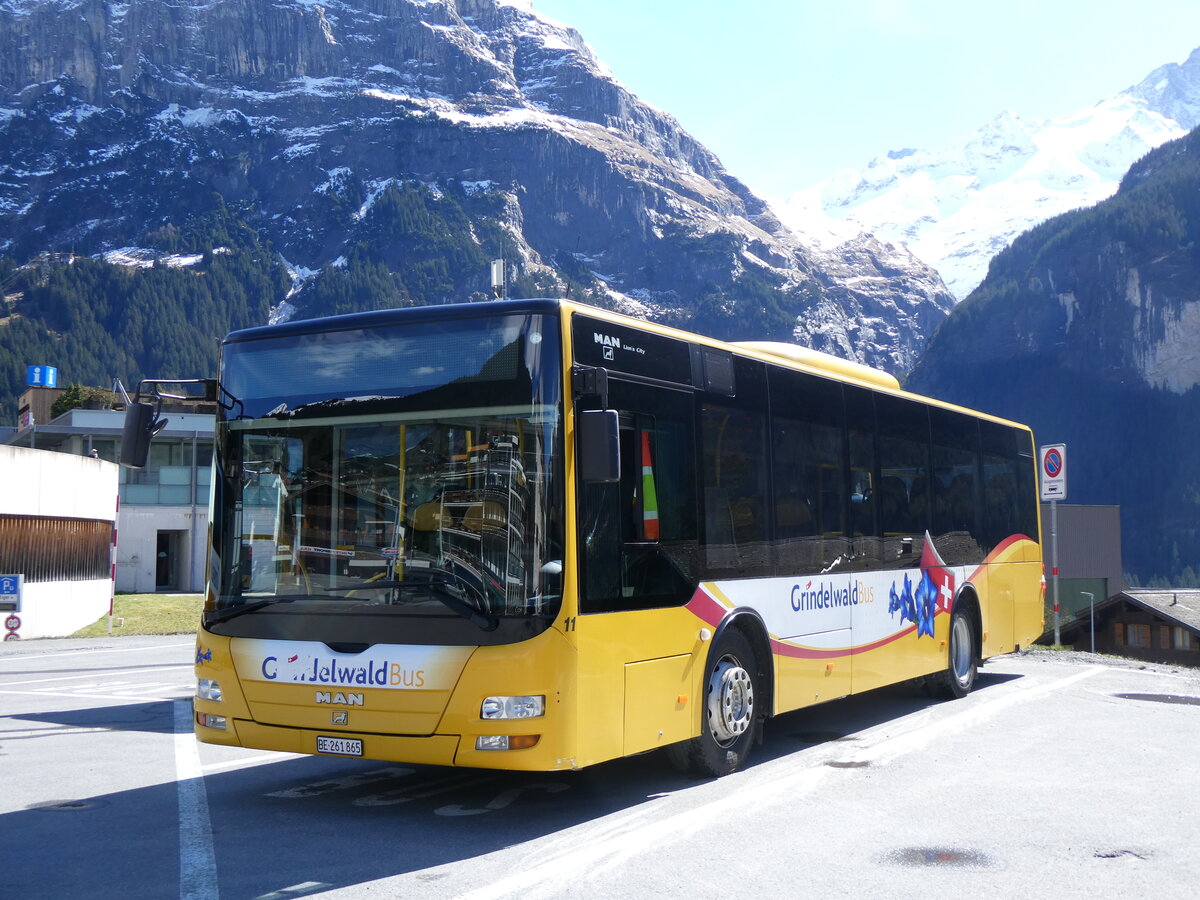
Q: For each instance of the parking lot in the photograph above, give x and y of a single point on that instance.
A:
(1059, 775)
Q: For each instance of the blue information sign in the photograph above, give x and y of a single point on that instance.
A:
(10, 592)
(41, 376)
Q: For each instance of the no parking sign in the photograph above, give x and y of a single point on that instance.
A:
(1052, 470)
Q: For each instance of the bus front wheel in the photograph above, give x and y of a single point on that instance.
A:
(730, 711)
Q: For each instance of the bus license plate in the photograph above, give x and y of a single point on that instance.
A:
(339, 745)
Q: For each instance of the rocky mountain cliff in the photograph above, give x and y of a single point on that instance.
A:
(1088, 328)
(957, 206)
(384, 151)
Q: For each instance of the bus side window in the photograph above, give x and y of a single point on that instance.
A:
(735, 491)
(1027, 486)
(1001, 481)
(808, 472)
(904, 490)
(865, 492)
(955, 486)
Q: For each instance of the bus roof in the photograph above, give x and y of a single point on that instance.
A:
(792, 355)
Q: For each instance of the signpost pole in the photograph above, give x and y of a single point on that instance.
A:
(1052, 473)
(1054, 566)
(1091, 616)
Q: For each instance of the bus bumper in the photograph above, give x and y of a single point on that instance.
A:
(434, 750)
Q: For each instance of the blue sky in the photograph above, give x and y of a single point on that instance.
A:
(786, 92)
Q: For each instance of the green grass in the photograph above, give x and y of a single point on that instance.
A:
(149, 614)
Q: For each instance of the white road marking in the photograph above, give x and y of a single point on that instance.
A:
(120, 674)
(142, 649)
(52, 731)
(259, 759)
(429, 789)
(329, 785)
(197, 861)
(296, 890)
(133, 698)
(101, 687)
(186, 688)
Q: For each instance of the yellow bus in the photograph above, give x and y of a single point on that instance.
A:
(536, 535)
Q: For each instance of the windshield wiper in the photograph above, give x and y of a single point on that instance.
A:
(455, 604)
(224, 615)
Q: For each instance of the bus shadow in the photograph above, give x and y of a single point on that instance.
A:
(320, 823)
(154, 717)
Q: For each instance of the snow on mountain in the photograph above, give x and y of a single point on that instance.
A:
(317, 124)
(957, 206)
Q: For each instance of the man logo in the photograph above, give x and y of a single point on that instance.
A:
(339, 698)
(606, 340)
(341, 717)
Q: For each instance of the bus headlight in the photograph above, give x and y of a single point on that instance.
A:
(526, 707)
(208, 690)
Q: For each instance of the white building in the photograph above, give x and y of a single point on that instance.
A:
(56, 521)
(162, 528)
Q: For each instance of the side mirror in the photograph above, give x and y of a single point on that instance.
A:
(141, 424)
(599, 445)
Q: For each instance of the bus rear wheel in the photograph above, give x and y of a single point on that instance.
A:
(730, 711)
(962, 659)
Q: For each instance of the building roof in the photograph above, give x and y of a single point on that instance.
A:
(1179, 607)
(1182, 606)
(105, 423)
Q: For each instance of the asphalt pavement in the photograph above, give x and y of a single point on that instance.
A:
(1062, 775)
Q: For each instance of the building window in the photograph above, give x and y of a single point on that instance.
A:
(1138, 635)
(1183, 638)
(1118, 634)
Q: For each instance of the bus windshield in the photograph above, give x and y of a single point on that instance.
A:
(394, 484)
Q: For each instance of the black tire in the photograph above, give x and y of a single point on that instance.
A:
(730, 715)
(962, 659)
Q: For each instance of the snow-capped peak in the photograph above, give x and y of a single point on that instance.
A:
(957, 206)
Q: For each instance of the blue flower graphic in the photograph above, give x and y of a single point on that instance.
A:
(926, 597)
(903, 602)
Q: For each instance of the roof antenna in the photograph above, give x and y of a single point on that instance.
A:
(117, 385)
(498, 285)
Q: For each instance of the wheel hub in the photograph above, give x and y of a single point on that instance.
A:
(960, 650)
(730, 701)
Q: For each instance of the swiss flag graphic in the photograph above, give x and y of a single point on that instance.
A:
(935, 570)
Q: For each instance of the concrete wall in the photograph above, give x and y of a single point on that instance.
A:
(60, 608)
(42, 483)
(137, 543)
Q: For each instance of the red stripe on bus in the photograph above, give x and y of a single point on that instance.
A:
(1000, 548)
(706, 608)
(782, 648)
